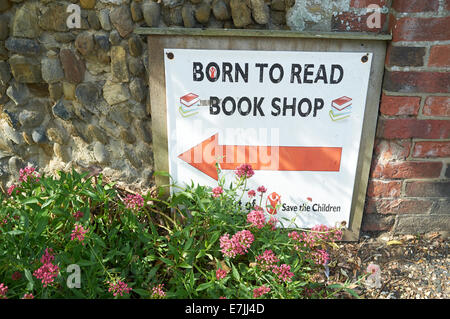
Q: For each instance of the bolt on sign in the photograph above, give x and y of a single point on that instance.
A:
(296, 117)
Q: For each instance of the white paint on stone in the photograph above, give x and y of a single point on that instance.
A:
(317, 12)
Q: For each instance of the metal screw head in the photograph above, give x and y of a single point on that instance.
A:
(170, 55)
(365, 58)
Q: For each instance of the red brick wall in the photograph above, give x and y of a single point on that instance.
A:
(409, 183)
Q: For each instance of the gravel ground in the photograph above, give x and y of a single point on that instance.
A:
(412, 267)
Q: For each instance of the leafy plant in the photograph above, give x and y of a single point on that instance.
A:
(83, 221)
(202, 260)
(200, 242)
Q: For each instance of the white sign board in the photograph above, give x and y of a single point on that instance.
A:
(296, 117)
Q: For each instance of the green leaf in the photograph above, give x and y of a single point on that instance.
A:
(214, 238)
(85, 263)
(89, 193)
(352, 292)
(48, 202)
(43, 222)
(99, 241)
(188, 243)
(335, 286)
(31, 200)
(29, 277)
(243, 289)
(15, 232)
(201, 205)
(78, 293)
(185, 265)
(188, 195)
(200, 254)
(142, 292)
(59, 212)
(152, 272)
(235, 273)
(204, 286)
(167, 261)
(191, 279)
(161, 173)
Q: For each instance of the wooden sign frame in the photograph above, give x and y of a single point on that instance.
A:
(267, 40)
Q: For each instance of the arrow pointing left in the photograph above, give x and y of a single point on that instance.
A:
(274, 158)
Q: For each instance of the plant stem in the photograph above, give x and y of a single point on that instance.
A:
(165, 216)
(196, 267)
(243, 191)
(101, 263)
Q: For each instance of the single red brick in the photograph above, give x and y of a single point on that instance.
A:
(410, 127)
(391, 150)
(437, 106)
(397, 206)
(439, 55)
(405, 56)
(428, 188)
(366, 3)
(384, 188)
(376, 222)
(393, 170)
(441, 206)
(350, 21)
(399, 105)
(421, 29)
(417, 82)
(415, 5)
(431, 149)
(411, 206)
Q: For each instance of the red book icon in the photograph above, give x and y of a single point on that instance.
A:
(189, 99)
(189, 104)
(341, 103)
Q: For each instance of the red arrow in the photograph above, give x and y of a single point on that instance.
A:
(275, 158)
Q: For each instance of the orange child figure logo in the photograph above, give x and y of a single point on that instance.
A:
(271, 203)
(212, 72)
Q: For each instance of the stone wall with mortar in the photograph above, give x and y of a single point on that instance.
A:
(78, 97)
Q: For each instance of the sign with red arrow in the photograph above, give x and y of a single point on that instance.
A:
(205, 155)
(295, 117)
